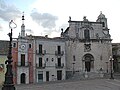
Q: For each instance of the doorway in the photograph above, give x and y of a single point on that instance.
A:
(47, 75)
(87, 66)
(88, 60)
(59, 75)
(23, 78)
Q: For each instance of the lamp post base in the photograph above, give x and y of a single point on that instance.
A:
(8, 87)
(111, 77)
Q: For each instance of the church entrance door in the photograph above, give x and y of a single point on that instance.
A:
(88, 60)
(87, 66)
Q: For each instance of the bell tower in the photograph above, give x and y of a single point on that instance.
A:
(23, 27)
(101, 18)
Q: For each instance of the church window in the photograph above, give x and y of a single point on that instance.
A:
(86, 34)
(103, 24)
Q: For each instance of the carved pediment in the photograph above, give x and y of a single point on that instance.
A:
(86, 25)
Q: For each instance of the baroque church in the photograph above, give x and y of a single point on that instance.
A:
(88, 46)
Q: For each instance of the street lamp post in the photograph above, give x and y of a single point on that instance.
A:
(73, 68)
(8, 83)
(107, 67)
(111, 67)
(73, 64)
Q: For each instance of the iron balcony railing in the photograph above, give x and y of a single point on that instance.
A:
(59, 53)
(24, 64)
(59, 65)
(41, 53)
(40, 66)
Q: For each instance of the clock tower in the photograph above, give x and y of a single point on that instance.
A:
(24, 67)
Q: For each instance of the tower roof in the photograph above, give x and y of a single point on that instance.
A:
(23, 27)
(23, 20)
(101, 15)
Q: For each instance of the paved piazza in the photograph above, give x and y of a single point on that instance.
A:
(98, 84)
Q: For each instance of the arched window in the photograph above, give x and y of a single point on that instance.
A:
(86, 34)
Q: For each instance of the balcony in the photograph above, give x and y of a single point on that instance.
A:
(41, 53)
(26, 64)
(40, 66)
(59, 65)
(59, 53)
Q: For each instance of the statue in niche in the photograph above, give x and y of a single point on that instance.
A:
(69, 18)
(97, 36)
(84, 19)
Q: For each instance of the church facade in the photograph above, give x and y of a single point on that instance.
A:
(88, 46)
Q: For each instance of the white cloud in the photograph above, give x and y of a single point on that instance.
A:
(79, 8)
(46, 20)
(8, 12)
(63, 9)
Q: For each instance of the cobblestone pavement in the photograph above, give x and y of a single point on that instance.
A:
(97, 84)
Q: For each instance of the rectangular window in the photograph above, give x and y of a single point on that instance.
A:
(14, 45)
(103, 24)
(59, 49)
(46, 59)
(40, 62)
(30, 46)
(40, 48)
(73, 57)
(59, 62)
(22, 59)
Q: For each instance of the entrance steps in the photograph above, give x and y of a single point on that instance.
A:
(91, 75)
(86, 75)
(115, 75)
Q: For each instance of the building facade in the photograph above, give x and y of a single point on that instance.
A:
(88, 46)
(49, 59)
(116, 56)
(38, 58)
(3, 57)
(22, 54)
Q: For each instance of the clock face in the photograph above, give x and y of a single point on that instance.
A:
(23, 46)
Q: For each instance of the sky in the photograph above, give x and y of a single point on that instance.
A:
(47, 17)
